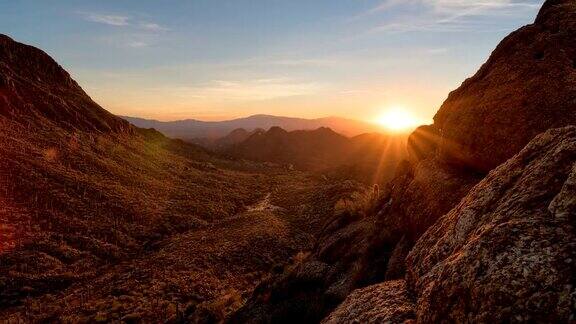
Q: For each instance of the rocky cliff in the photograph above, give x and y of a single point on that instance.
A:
(527, 86)
(505, 253)
(508, 249)
(488, 255)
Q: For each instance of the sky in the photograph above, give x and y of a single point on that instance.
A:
(223, 59)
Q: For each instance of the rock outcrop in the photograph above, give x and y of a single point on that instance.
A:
(508, 250)
(387, 302)
(35, 89)
(527, 86)
(518, 94)
(506, 253)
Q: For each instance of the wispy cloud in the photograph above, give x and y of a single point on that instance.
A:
(153, 27)
(112, 20)
(385, 6)
(445, 15)
(137, 44)
(132, 32)
(123, 21)
(245, 90)
(460, 7)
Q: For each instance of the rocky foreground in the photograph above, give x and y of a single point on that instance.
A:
(506, 251)
(479, 224)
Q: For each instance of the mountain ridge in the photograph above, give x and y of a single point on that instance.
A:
(33, 86)
(326, 151)
(190, 129)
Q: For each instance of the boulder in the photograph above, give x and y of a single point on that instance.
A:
(387, 302)
(527, 86)
(507, 252)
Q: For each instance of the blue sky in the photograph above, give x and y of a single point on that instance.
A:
(219, 59)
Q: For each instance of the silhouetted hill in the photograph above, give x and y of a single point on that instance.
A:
(368, 157)
(193, 129)
(222, 143)
(478, 225)
(234, 137)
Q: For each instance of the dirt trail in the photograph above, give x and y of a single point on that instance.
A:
(214, 268)
(264, 205)
(202, 274)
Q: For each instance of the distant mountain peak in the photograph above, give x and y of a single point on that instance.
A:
(277, 130)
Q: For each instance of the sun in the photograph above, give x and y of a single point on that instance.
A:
(398, 120)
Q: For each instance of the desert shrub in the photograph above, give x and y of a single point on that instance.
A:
(215, 311)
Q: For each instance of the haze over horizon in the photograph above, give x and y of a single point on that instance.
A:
(220, 60)
(287, 216)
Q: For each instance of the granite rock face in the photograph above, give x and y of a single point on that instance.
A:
(527, 86)
(387, 302)
(508, 250)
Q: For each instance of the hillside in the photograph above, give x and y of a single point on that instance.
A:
(478, 225)
(236, 136)
(195, 130)
(369, 157)
(36, 89)
(103, 221)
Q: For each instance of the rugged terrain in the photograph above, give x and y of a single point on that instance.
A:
(102, 221)
(455, 237)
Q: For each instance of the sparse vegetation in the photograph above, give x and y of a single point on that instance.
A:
(101, 221)
(127, 227)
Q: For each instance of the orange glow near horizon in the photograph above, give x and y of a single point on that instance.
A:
(398, 120)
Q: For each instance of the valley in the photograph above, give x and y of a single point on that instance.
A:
(102, 221)
(471, 219)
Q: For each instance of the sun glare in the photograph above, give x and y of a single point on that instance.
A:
(397, 120)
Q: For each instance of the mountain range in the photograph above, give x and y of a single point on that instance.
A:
(103, 221)
(193, 130)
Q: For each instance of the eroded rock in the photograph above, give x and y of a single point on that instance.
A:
(508, 250)
(527, 86)
(387, 302)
